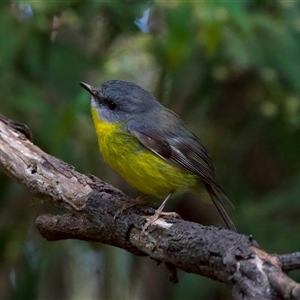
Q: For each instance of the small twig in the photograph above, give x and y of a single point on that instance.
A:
(290, 262)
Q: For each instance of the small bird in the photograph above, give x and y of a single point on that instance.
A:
(150, 146)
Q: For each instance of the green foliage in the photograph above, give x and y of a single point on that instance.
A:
(229, 68)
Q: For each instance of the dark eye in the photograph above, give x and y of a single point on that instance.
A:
(111, 105)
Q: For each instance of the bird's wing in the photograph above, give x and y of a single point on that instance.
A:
(177, 145)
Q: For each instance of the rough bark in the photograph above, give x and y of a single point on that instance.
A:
(92, 215)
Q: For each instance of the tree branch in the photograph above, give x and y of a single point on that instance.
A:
(92, 206)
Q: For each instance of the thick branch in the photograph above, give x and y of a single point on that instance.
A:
(92, 205)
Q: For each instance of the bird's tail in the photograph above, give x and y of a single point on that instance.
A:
(217, 202)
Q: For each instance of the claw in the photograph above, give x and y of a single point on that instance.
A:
(158, 214)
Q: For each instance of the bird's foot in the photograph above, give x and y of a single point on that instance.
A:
(156, 216)
(124, 206)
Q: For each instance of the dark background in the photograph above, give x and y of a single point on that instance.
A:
(231, 70)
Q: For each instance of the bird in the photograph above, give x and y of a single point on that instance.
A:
(150, 146)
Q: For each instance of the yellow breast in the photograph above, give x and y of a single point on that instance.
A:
(140, 167)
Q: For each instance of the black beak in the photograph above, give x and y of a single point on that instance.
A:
(88, 87)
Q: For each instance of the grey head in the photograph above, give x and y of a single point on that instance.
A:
(117, 100)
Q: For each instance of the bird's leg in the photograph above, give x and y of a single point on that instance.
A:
(158, 213)
(124, 206)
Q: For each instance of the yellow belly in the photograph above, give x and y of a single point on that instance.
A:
(140, 167)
